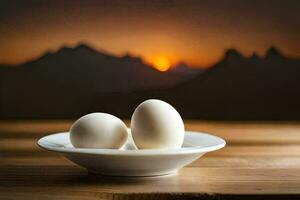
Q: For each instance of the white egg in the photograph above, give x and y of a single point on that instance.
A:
(155, 124)
(98, 130)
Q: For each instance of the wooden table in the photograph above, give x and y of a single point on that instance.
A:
(260, 160)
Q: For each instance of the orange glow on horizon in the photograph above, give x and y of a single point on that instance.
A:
(182, 32)
(161, 63)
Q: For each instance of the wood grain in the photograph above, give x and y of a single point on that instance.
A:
(261, 160)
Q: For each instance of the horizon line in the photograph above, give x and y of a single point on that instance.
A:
(103, 51)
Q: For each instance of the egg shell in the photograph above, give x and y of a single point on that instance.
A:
(98, 130)
(155, 124)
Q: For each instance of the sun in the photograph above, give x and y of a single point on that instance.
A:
(161, 63)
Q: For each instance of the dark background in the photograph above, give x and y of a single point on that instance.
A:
(246, 65)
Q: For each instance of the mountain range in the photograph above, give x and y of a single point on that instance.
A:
(74, 81)
(68, 80)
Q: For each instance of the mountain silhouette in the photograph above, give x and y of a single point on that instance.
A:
(236, 88)
(64, 83)
(273, 52)
(75, 81)
(247, 88)
(104, 72)
(184, 70)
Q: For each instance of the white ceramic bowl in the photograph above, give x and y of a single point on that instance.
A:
(129, 161)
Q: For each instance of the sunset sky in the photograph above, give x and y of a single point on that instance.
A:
(196, 32)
